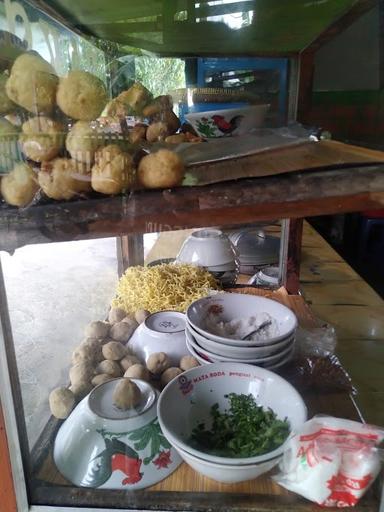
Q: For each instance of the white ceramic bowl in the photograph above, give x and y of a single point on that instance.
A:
(225, 122)
(101, 446)
(204, 360)
(226, 473)
(187, 400)
(239, 352)
(269, 359)
(160, 332)
(229, 306)
(208, 248)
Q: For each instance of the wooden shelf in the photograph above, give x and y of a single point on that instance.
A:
(242, 201)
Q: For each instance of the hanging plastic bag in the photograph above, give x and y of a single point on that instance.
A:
(332, 461)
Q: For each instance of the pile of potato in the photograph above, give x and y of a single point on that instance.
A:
(104, 355)
(66, 150)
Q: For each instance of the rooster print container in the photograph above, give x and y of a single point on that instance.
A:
(101, 446)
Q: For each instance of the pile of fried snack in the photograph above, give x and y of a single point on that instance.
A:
(61, 127)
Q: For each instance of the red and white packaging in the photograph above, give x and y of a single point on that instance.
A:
(332, 461)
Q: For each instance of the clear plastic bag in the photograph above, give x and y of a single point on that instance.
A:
(332, 461)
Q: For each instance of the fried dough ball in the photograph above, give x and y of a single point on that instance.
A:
(63, 178)
(126, 394)
(116, 315)
(101, 378)
(137, 133)
(128, 361)
(122, 331)
(114, 351)
(137, 96)
(162, 169)
(108, 367)
(86, 352)
(169, 118)
(116, 108)
(19, 187)
(81, 388)
(141, 315)
(158, 362)
(6, 105)
(157, 131)
(187, 362)
(32, 83)
(113, 170)
(169, 374)
(81, 95)
(82, 142)
(97, 329)
(137, 371)
(159, 104)
(42, 138)
(61, 402)
(83, 371)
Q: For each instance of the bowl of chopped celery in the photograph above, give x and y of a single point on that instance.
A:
(230, 413)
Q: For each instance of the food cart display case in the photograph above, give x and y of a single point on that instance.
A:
(264, 49)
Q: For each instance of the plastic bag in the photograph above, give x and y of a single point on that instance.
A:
(332, 461)
(318, 341)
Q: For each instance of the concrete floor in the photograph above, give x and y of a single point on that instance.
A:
(54, 290)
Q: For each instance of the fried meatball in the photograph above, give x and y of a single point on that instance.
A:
(6, 105)
(81, 95)
(82, 142)
(162, 169)
(32, 84)
(63, 178)
(42, 138)
(113, 170)
(20, 185)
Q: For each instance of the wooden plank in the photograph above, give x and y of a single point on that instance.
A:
(7, 491)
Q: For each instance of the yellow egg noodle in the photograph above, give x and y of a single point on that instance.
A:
(162, 287)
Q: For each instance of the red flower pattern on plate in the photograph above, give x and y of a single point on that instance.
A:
(163, 460)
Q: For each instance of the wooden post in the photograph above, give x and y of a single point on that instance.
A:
(7, 490)
(130, 251)
(292, 277)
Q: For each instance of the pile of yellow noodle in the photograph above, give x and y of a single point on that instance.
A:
(162, 287)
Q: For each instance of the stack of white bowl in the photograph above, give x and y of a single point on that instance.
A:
(187, 400)
(211, 249)
(268, 351)
(255, 249)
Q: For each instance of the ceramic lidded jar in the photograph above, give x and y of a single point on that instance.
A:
(102, 446)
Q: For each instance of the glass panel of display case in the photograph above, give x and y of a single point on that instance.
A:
(59, 295)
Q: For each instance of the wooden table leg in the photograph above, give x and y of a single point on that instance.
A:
(292, 278)
(130, 251)
(7, 490)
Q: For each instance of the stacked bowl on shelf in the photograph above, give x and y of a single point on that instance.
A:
(217, 325)
(255, 249)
